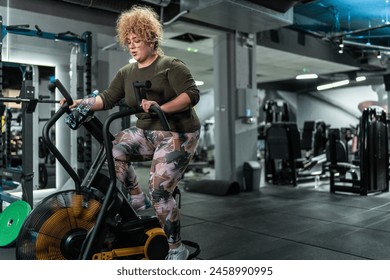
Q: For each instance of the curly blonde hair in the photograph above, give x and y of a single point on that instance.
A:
(142, 21)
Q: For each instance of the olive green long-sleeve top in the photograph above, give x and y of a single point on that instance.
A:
(169, 77)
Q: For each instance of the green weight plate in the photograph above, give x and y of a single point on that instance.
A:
(11, 221)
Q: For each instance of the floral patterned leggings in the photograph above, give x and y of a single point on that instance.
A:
(170, 153)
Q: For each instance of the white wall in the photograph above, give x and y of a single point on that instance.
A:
(336, 107)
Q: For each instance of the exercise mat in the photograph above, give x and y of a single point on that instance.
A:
(215, 187)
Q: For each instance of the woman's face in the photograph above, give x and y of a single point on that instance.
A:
(140, 50)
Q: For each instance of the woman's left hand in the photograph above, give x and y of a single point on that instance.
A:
(146, 104)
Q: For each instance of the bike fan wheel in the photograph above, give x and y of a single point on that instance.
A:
(57, 227)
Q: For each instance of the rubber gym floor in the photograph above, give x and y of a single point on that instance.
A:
(282, 222)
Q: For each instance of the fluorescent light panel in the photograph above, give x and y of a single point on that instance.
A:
(340, 83)
(360, 79)
(333, 85)
(306, 76)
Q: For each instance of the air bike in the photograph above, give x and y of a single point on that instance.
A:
(94, 221)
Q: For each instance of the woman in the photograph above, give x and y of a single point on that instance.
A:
(174, 90)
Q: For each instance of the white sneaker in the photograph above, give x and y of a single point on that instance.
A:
(180, 253)
(140, 202)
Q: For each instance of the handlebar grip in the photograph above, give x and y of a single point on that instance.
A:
(64, 92)
(138, 86)
(161, 116)
(146, 84)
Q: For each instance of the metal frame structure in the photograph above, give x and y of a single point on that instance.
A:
(27, 97)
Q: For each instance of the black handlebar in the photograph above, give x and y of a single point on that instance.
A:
(139, 90)
(106, 139)
(50, 123)
(64, 92)
(139, 95)
(161, 116)
(146, 84)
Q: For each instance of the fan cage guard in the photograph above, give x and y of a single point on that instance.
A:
(55, 229)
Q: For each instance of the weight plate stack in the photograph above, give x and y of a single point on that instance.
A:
(11, 221)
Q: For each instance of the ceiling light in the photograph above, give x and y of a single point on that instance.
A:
(306, 76)
(199, 83)
(132, 60)
(360, 79)
(333, 85)
(194, 50)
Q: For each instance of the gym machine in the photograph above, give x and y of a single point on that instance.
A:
(12, 217)
(370, 173)
(27, 98)
(94, 220)
(282, 148)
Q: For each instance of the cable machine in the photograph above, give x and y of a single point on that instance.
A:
(29, 102)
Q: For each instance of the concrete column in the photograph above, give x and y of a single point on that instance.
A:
(236, 104)
(224, 67)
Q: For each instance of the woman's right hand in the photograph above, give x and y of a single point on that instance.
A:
(75, 102)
